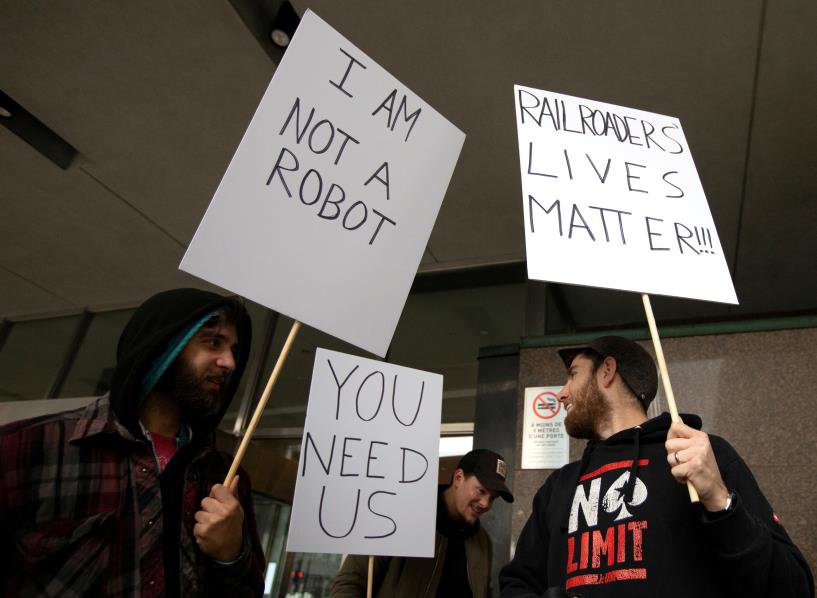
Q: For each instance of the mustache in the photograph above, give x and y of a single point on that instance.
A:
(217, 377)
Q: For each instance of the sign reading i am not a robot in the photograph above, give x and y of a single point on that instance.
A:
(367, 476)
(612, 199)
(327, 205)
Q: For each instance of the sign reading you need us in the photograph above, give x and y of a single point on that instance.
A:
(327, 205)
(612, 199)
(367, 477)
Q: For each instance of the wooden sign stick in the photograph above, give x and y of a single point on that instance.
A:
(662, 366)
(371, 578)
(259, 410)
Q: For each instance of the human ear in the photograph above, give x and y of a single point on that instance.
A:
(608, 371)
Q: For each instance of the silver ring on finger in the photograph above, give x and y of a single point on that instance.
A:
(677, 460)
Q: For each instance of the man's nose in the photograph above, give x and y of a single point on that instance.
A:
(226, 360)
(563, 394)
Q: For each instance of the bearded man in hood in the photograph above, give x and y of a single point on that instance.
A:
(124, 497)
(620, 523)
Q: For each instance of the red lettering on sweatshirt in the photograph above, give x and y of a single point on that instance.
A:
(604, 545)
(601, 578)
(571, 549)
(620, 543)
(636, 527)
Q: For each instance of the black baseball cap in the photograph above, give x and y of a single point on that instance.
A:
(635, 366)
(489, 467)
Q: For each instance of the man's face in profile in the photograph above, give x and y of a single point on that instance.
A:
(198, 377)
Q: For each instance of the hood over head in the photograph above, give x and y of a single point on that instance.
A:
(157, 324)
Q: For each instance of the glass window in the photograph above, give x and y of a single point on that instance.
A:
(261, 318)
(311, 574)
(272, 519)
(286, 407)
(443, 331)
(32, 356)
(439, 331)
(93, 366)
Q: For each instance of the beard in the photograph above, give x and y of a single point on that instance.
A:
(587, 411)
(192, 391)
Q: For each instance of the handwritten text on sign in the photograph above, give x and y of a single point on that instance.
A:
(612, 198)
(326, 208)
(367, 477)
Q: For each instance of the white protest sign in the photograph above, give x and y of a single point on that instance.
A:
(367, 476)
(544, 439)
(612, 199)
(326, 208)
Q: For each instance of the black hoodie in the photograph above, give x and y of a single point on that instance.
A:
(157, 323)
(148, 334)
(617, 524)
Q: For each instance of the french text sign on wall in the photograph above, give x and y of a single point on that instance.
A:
(612, 199)
(367, 477)
(327, 205)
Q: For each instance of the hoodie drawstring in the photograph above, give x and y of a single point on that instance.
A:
(629, 488)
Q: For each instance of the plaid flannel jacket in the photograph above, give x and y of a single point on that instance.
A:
(81, 514)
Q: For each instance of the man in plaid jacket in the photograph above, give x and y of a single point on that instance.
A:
(124, 497)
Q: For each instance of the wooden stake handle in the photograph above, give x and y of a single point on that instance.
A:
(262, 403)
(662, 366)
(371, 578)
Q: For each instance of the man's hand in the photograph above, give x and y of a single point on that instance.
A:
(219, 524)
(690, 455)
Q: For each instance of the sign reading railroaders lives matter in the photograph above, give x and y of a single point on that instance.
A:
(326, 208)
(367, 477)
(612, 199)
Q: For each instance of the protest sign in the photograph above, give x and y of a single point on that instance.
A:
(544, 438)
(612, 199)
(367, 476)
(327, 205)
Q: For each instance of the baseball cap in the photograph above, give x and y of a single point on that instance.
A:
(635, 366)
(489, 467)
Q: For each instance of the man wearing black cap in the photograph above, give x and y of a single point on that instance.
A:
(461, 566)
(620, 523)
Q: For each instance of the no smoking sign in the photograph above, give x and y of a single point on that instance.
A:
(546, 405)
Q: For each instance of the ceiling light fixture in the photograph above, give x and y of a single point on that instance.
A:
(284, 25)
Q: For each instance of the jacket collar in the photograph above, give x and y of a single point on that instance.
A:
(98, 420)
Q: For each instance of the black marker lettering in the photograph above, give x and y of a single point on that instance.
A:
(344, 456)
(325, 466)
(278, 168)
(373, 512)
(668, 182)
(583, 225)
(532, 200)
(320, 516)
(319, 180)
(530, 160)
(376, 176)
(328, 200)
(296, 110)
(632, 176)
(682, 239)
(370, 459)
(651, 234)
(403, 479)
(352, 62)
(349, 211)
(380, 400)
(340, 385)
(394, 403)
